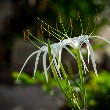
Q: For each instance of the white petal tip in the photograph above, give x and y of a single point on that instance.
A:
(18, 77)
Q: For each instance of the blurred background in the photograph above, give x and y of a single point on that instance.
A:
(17, 16)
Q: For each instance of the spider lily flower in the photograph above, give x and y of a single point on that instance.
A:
(38, 52)
(56, 50)
(77, 42)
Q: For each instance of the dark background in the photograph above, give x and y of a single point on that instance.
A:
(17, 16)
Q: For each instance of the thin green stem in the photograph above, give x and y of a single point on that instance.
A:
(70, 89)
(56, 76)
(81, 77)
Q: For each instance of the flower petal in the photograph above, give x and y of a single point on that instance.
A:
(51, 62)
(84, 64)
(99, 38)
(87, 41)
(70, 52)
(44, 65)
(88, 53)
(36, 62)
(92, 57)
(59, 58)
(26, 63)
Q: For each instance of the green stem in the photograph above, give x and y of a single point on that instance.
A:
(70, 89)
(81, 78)
(56, 76)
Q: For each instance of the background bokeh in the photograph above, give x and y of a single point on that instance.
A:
(17, 16)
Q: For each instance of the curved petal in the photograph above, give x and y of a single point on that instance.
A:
(88, 53)
(84, 64)
(87, 41)
(26, 63)
(51, 62)
(44, 65)
(100, 38)
(59, 58)
(69, 52)
(36, 63)
(92, 57)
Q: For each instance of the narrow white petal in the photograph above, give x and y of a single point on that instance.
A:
(26, 63)
(59, 58)
(36, 63)
(92, 57)
(87, 41)
(84, 64)
(100, 38)
(88, 53)
(44, 65)
(70, 52)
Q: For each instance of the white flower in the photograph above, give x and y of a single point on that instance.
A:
(38, 52)
(56, 50)
(77, 42)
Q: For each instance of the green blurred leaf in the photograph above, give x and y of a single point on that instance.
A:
(98, 90)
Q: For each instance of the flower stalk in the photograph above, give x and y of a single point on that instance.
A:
(54, 52)
(56, 76)
(82, 88)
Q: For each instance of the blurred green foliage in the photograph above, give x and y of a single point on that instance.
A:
(97, 88)
(98, 91)
(69, 9)
(39, 79)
